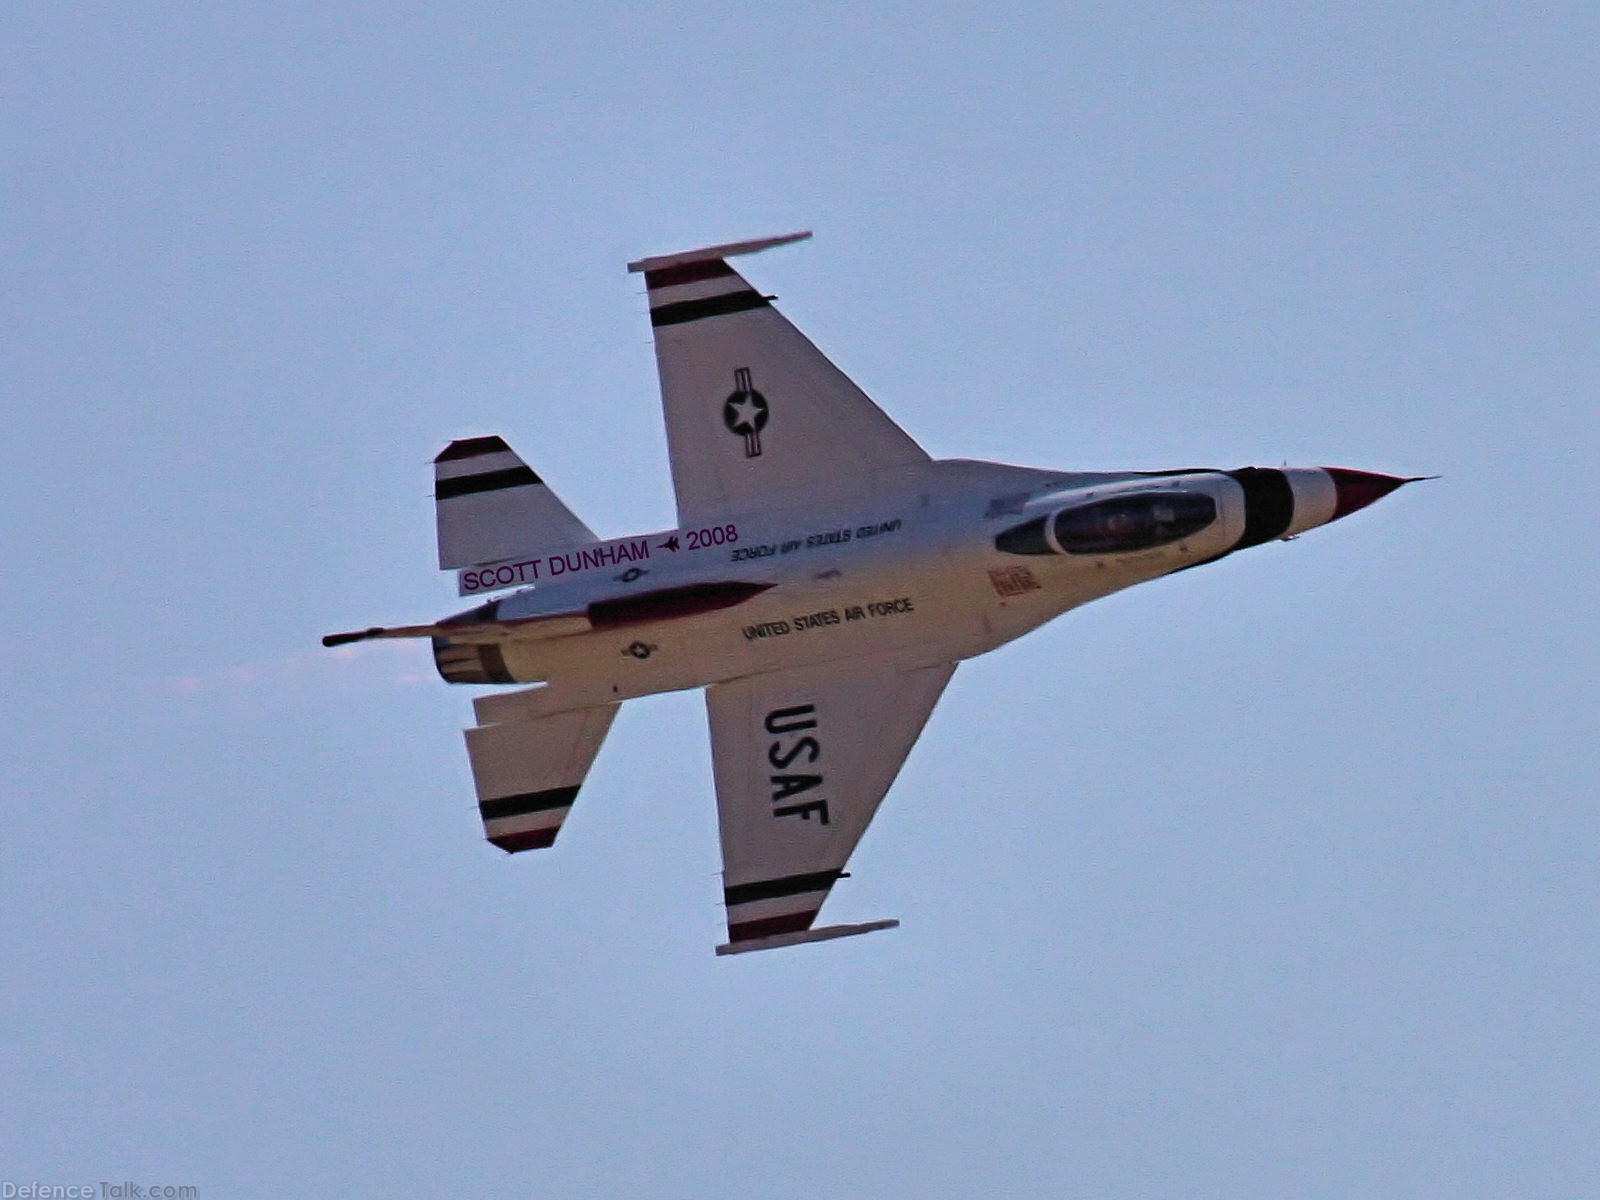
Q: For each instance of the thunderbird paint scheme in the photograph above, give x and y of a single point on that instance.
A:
(824, 579)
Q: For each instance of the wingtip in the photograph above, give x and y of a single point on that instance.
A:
(471, 448)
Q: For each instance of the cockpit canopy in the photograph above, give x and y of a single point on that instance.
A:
(1115, 525)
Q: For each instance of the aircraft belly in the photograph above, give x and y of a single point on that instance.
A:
(908, 576)
(859, 612)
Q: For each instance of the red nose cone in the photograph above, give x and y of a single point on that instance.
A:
(1357, 489)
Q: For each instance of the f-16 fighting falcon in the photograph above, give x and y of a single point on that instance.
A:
(823, 581)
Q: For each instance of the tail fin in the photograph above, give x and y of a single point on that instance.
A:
(491, 506)
(528, 767)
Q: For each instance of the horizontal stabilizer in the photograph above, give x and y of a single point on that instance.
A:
(528, 772)
(491, 506)
(825, 934)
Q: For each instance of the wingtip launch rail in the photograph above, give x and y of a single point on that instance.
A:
(826, 934)
(725, 250)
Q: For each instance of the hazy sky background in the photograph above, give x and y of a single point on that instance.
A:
(1273, 879)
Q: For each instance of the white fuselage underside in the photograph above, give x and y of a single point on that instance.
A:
(907, 573)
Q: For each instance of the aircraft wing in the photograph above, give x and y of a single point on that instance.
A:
(752, 407)
(802, 759)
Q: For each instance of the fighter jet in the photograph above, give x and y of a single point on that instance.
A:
(823, 580)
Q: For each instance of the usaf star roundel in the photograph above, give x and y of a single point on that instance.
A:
(745, 412)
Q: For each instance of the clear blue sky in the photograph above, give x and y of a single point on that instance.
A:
(1273, 879)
